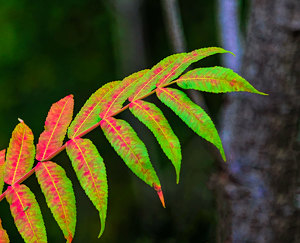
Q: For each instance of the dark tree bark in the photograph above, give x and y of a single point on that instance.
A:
(257, 193)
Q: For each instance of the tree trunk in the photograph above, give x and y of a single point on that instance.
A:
(129, 36)
(258, 185)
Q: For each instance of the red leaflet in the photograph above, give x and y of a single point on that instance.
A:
(57, 122)
(20, 153)
(27, 214)
(3, 235)
(59, 195)
(121, 93)
(2, 163)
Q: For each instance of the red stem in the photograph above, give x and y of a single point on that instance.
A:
(29, 173)
(23, 178)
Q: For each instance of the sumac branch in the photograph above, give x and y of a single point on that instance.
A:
(99, 111)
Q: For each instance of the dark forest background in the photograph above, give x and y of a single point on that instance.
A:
(49, 49)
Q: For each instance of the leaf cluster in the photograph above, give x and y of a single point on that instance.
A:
(16, 164)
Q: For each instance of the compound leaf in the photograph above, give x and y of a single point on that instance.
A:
(121, 93)
(20, 153)
(193, 115)
(91, 173)
(3, 234)
(153, 118)
(59, 195)
(26, 213)
(2, 165)
(89, 113)
(215, 80)
(131, 149)
(56, 125)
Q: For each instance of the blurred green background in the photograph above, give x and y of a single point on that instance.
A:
(49, 49)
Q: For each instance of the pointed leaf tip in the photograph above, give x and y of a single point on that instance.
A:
(102, 219)
(160, 194)
(70, 238)
(231, 53)
(20, 120)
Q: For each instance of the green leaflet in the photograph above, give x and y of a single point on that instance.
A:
(183, 62)
(89, 113)
(59, 195)
(26, 213)
(216, 80)
(151, 78)
(153, 118)
(193, 115)
(132, 150)
(170, 68)
(91, 173)
(121, 92)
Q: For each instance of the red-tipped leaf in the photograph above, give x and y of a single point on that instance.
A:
(89, 113)
(193, 115)
(26, 213)
(59, 195)
(121, 93)
(91, 173)
(56, 125)
(20, 153)
(160, 194)
(153, 118)
(130, 148)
